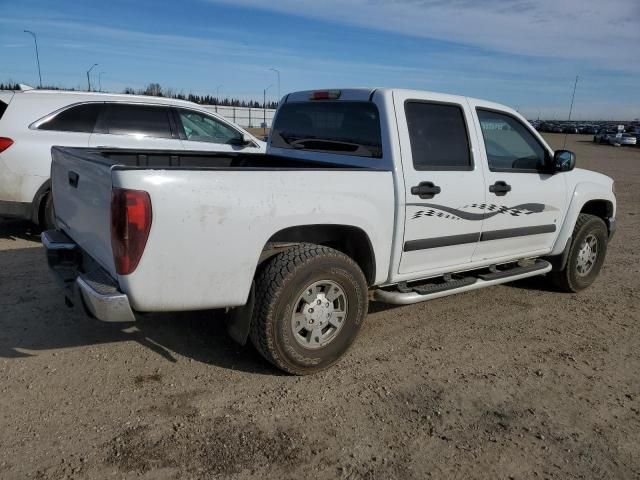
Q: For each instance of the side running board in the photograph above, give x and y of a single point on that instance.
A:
(404, 294)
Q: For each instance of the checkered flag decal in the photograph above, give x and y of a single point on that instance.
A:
(515, 212)
(434, 213)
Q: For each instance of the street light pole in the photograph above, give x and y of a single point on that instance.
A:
(100, 81)
(37, 54)
(277, 73)
(218, 93)
(88, 77)
(264, 109)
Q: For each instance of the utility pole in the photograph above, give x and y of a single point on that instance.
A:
(264, 109)
(218, 93)
(575, 85)
(278, 74)
(37, 54)
(100, 81)
(88, 75)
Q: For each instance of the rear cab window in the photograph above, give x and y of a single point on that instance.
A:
(341, 127)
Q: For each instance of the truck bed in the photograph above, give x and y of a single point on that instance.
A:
(212, 215)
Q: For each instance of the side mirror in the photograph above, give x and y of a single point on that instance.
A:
(563, 161)
(242, 140)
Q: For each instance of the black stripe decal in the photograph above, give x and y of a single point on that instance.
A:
(426, 243)
(532, 207)
(517, 232)
(437, 242)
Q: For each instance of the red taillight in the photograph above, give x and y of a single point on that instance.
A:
(130, 226)
(325, 95)
(5, 143)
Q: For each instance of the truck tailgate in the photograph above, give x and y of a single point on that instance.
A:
(81, 189)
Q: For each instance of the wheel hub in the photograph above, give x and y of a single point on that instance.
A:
(587, 255)
(319, 314)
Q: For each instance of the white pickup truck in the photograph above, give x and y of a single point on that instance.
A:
(395, 195)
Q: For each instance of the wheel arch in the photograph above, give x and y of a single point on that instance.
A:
(600, 208)
(350, 240)
(38, 202)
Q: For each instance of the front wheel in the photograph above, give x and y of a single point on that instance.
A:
(586, 255)
(310, 303)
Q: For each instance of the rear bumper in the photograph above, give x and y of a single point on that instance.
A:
(85, 283)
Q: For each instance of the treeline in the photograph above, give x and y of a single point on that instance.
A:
(155, 90)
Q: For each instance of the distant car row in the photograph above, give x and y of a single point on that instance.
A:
(615, 138)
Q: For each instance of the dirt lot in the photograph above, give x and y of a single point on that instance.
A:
(517, 381)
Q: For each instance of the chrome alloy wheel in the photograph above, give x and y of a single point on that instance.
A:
(587, 255)
(319, 314)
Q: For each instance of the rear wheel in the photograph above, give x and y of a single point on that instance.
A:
(310, 303)
(586, 255)
(47, 217)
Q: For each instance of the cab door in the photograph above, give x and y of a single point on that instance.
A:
(525, 203)
(443, 181)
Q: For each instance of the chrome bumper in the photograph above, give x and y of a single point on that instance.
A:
(84, 281)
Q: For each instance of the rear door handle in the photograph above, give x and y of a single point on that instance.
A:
(500, 188)
(73, 179)
(426, 190)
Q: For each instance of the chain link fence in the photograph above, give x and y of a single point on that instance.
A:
(244, 116)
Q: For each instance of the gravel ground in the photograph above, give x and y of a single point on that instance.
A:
(516, 381)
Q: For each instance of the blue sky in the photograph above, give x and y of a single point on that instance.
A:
(525, 53)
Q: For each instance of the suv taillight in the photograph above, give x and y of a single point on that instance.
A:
(130, 226)
(5, 143)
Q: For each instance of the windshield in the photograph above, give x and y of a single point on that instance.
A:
(349, 128)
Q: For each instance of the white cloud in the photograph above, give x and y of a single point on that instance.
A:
(599, 32)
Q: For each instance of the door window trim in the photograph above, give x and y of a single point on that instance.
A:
(471, 167)
(547, 157)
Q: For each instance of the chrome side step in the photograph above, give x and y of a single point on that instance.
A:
(407, 296)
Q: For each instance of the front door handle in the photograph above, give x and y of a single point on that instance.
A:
(426, 190)
(500, 188)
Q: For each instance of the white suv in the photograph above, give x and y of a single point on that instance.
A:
(32, 121)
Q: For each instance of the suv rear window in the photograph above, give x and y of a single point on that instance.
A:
(348, 128)
(3, 107)
(80, 118)
(149, 121)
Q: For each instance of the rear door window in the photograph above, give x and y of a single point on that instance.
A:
(343, 127)
(143, 120)
(79, 118)
(439, 138)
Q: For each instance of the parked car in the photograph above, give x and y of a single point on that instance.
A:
(603, 136)
(32, 121)
(403, 195)
(570, 129)
(622, 139)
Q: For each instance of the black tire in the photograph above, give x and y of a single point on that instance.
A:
(279, 285)
(47, 214)
(570, 279)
